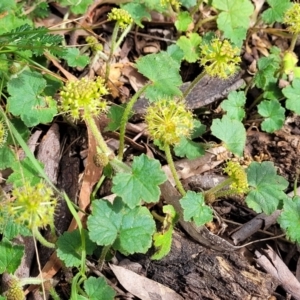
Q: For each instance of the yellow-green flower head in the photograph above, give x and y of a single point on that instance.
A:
(93, 43)
(122, 17)
(15, 290)
(3, 133)
(292, 18)
(168, 121)
(173, 3)
(239, 177)
(83, 98)
(33, 207)
(220, 58)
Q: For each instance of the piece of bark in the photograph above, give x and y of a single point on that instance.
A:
(273, 264)
(196, 272)
(49, 152)
(261, 221)
(206, 91)
(200, 234)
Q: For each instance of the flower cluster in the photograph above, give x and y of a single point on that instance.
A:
(122, 17)
(238, 176)
(219, 58)
(93, 43)
(15, 290)
(173, 3)
(83, 98)
(168, 121)
(292, 18)
(33, 207)
(3, 133)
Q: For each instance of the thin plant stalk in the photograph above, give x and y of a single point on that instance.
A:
(97, 134)
(112, 48)
(102, 256)
(41, 239)
(193, 83)
(173, 169)
(125, 118)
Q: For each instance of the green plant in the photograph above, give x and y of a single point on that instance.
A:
(29, 93)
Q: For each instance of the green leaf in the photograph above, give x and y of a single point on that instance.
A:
(189, 149)
(190, 46)
(163, 71)
(10, 256)
(267, 66)
(10, 22)
(194, 208)
(142, 184)
(138, 12)
(234, 18)
(70, 247)
(188, 3)
(234, 105)
(98, 289)
(162, 241)
(289, 220)
(7, 5)
(273, 113)
(183, 21)
(231, 132)
(26, 100)
(176, 53)
(114, 115)
(127, 230)
(276, 11)
(22, 129)
(76, 7)
(292, 93)
(23, 170)
(7, 157)
(266, 187)
(75, 59)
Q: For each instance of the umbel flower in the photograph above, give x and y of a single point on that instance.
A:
(292, 18)
(238, 176)
(33, 207)
(83, 98)
(168, 121)
(121, 16)
(220, 58)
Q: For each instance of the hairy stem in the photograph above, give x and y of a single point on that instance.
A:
(112, 48)
(41, 239)
(125, 119)
(193, 83)
(173, 170)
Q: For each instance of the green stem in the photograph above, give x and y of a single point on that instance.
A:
(193, 83)
(99, 183)
(173, 170)
(125, 119)
(157, 217)
(225, 193)
(201, 22)
(257, 100)
(41, 239)
(97, 135)
(220, 186)
(293, 42)
(119, 166)
(103, 255)
(121, 38)
(80, 228)
(112, 47)
(195, 8)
